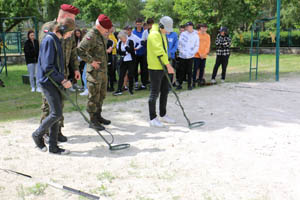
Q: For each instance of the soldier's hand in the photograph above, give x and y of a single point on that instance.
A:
(170, 69)
(77, 75)
(66, 83)
(96, 64)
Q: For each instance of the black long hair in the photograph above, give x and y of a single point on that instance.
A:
(78, 39)
(29, 32)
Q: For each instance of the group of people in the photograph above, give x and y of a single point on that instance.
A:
(67, 55)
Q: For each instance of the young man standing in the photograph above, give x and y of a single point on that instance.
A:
(141, 56)
(157, 50)
(70, 57)
(188, 46)
(92, 49)
(223, 43)
(51, 68)
(201, 55)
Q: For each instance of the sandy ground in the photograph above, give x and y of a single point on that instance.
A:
(248, 149)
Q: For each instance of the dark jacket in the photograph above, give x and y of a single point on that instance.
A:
(129, 49)
(48, 60)
(31, 51)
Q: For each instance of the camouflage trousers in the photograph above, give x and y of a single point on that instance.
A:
(46, 111)
(97, 93)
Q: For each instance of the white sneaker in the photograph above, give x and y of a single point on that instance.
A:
(222, 81)
(167, 119)
(156, 123)
(213, 81)
(38, 89)
(33, 89)
(84, 93)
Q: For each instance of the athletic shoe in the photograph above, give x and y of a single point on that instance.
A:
(71, 89)
(85, 93)
(142, 87)
(167, 119)
(39, 142)
(110, 89)
(38, 89)
(156, 123)
(117, 93)
(190, 87)
(131, 92)
(213, 81)
(222, 81)
(33, 89)
(58, 150)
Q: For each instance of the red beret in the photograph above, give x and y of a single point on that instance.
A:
(70, 9)
(104, 21)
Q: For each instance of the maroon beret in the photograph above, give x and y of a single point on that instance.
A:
(104, 21)
(70, 9)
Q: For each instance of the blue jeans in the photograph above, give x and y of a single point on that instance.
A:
(84, 77)
(51, 122)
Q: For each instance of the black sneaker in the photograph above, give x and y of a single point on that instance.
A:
(130, 92)
(117, 93)
(39, 142)
(142, 87)
(58, 150)
(190, 87)
(179, 87)
(194, 85)
(61, 138)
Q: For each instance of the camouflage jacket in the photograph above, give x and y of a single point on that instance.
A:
(68, 45)
(93, 48)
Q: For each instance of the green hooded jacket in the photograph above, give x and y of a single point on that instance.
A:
(155, 48)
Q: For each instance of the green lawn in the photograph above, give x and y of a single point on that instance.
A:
(17, 102)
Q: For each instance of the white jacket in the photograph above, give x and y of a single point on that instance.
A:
(188, 44)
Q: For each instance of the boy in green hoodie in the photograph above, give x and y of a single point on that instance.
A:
(157, 48)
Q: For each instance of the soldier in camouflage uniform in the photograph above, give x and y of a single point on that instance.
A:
(69, 54)
(92, 50)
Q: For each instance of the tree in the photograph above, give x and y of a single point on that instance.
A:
(157, 9)
(17, 8)
(89, 10)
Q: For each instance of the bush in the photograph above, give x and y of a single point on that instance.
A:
(244, 40)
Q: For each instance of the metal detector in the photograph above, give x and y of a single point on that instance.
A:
(191, 125)
(56, 185)
(111, 147)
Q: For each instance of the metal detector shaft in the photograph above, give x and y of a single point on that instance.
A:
(191, 125)
(78, 109)
(56, 185)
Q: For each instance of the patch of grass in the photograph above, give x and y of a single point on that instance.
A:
(36, 190)
(2, 188)
(102, 190)
(21, 191)
(133, 164)
(106, 176)
(6, 132)
(17, 102)
(7, 158)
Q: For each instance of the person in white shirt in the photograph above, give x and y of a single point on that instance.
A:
(188, 47)
(126, 50)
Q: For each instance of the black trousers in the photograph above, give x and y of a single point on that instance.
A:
(220, 60)
(51, 122)
(198, 64)
(81, 67)
(159, 85)
(111, 75)
(185, 68)
(126, 66)
(141, 60)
